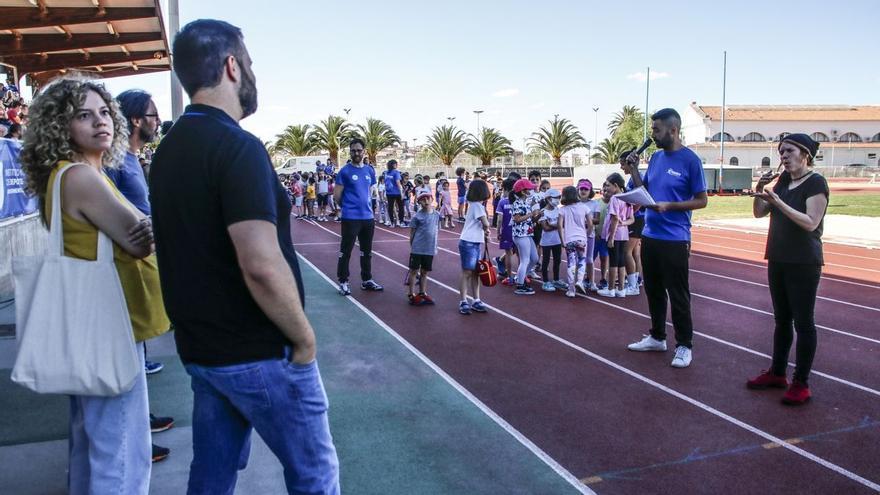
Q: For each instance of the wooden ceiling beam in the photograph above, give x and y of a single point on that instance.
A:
(39, 43)
(30, 17)
(27, 64)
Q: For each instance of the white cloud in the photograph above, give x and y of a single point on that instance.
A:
(505, 93)
(641, 76)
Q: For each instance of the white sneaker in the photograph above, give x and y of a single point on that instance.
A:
(388, 224)
(594, 287)
(619, 293)
(682, 357)
(607, 293)
(649, 343)
(569, 293)
(579, 287)
(633, 291)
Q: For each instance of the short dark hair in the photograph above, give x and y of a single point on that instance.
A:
(14, 128)
(356, 140)
(200, 50)
(668, 116)
(507, 184)
(459, 171)
(166, 126)
(392, 163)
(570, 195)
(617, 180)
(514, 175)
(478, 190)
(134, 104)
(534, 173)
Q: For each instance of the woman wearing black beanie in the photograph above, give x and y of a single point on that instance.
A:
(797, 206)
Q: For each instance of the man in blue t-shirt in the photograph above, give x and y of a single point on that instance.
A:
(351, 192)
(394, 195)
(676, 182)
(140, 113)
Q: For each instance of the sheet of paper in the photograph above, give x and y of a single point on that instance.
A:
(638, 196)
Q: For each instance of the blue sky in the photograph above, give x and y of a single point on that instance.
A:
(415, 63)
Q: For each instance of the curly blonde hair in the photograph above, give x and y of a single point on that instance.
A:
(47, 140)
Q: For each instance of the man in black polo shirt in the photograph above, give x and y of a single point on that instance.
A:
(230, 278)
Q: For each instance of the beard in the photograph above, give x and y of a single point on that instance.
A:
(146, 136)
(247, 94)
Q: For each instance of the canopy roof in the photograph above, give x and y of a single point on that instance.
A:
(106, 38)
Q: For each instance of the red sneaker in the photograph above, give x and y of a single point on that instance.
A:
(798, 394)
(415, 300)
(767, 380)
(426, 299)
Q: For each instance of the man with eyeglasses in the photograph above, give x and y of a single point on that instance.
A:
(352, 192)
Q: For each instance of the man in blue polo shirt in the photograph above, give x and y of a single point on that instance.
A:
(675, 180)
(351, 192)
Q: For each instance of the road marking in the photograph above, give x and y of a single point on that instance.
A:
(728, 248)
(749, 282)
(537, 451)
(764, 267)
(686, 398)
(764, 243)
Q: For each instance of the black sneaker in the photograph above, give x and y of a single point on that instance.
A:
(160, 423)
(160, 453)
(524, 290)
(371, 285)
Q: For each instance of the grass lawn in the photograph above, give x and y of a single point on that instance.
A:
(863, 204)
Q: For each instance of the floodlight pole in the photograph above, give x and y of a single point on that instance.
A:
(723, 109)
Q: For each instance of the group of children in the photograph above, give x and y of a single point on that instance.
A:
(535, 225)
(312, 195)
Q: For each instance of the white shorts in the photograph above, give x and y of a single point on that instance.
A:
(298, 201)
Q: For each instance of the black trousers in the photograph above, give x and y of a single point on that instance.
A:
(665, 271)
(362, 231)
(395, 199)
(556, 251)
(793, 290)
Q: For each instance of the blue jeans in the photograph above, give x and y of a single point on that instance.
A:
(109, 445)
(284, 402)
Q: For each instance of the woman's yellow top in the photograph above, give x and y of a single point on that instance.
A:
(139, 277)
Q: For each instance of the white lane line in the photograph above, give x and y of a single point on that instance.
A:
(749, 282)
(764, 267)
(764, 243)
(740, 306)
(847, 242)
(761, 311)
(705, 407)
(534, 449)
(710, 337)
(728, 248)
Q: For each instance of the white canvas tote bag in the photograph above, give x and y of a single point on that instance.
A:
(72, 324)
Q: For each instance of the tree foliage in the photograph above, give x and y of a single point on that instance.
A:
(447, 142)
(295, 140)
(560, 137)
(489, 145)
(332, 134)
(377, 136)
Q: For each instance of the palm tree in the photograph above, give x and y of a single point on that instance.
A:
(561, 137)
(629, 113)
(377, 136)
(447, 142)
(488, 145)
(332, 134)
(609, 150)
(295, 140)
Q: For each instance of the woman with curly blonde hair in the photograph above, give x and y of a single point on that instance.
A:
(76, 126)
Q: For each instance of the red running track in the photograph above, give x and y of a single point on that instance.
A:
(623, 422)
